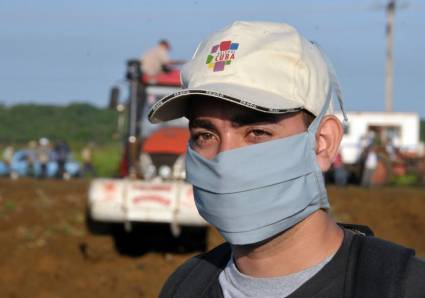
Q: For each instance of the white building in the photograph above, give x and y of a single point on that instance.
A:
(400, 129)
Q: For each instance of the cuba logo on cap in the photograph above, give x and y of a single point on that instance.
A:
(221, 55)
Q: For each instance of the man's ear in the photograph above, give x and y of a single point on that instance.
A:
(328, 138)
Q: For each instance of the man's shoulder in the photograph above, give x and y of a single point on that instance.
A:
(197, 273)
(415, 285)
(215, 258)
(387, 269)
(417, 266)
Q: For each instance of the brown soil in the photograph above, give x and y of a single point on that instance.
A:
(47, 251)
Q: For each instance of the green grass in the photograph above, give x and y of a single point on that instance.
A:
(106, 159)
(405, 180)
(7, 208)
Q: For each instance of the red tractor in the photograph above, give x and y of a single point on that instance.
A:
(152, 189)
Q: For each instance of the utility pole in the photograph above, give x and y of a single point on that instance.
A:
(389, 73)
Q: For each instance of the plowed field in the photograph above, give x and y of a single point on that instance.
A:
(47, 251)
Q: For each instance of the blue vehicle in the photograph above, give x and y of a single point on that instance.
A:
(24, 163)
(20, 162)
(4, 169)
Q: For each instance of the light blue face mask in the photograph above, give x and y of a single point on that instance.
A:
(255, 192)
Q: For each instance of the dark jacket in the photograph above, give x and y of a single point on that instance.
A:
(363, 267)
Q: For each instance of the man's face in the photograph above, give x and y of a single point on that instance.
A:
(216, 126)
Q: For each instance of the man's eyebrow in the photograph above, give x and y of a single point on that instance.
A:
(201, 123)
(253, 118)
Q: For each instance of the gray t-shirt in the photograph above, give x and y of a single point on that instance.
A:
(236, 284)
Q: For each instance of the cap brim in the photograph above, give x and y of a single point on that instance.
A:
(174, 106)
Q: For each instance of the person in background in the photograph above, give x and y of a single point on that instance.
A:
(87, 157)
(157, 60)
(370, 165)
(61, 151)
(8, 153)
(340, 173)
(43, 156)
(32, 156)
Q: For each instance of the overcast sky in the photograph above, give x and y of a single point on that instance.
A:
(58, 52)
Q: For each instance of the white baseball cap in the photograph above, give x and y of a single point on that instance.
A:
(264, 66)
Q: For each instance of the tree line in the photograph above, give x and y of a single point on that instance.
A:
(75, 123)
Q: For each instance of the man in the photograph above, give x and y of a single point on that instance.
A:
(8, 153)
(257, 96)
(156, 59)
(62, 151)
(87, 158)
(43, 156)
(370, 165)
(339, 171)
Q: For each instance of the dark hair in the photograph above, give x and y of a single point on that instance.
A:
(308, 117)
(165, 43)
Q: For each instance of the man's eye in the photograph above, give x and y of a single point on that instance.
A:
(259, 135)
(258, 132)
(202, 138)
